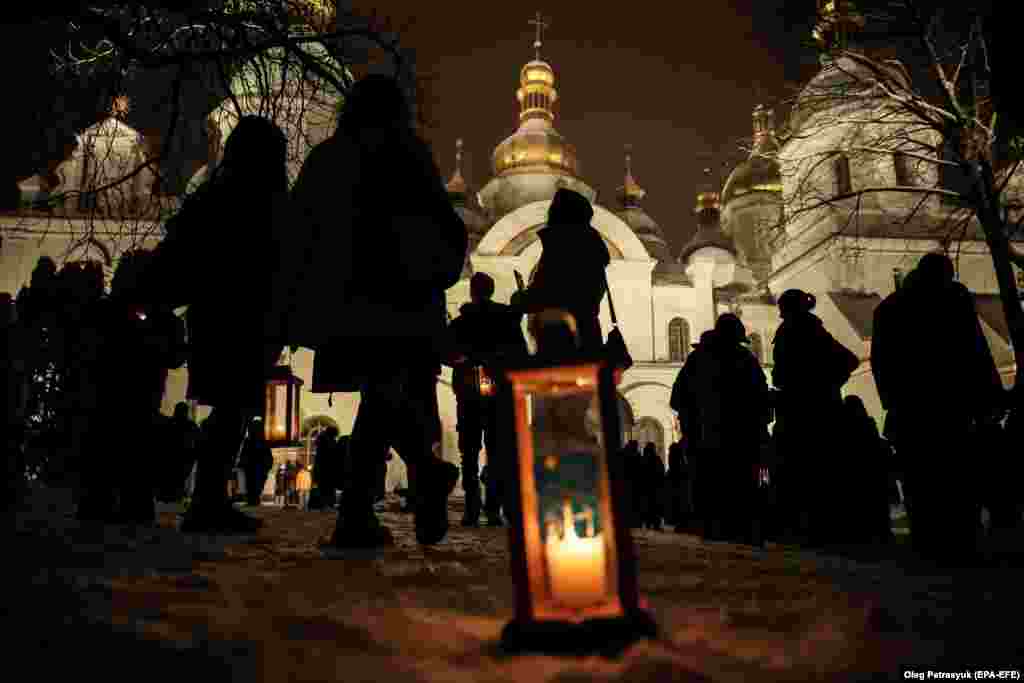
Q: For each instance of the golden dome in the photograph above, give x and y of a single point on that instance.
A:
(533, 150)
(759, 173)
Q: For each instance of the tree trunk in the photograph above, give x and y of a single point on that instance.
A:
(988, 213)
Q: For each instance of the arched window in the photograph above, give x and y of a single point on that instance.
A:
(757, 346)
(648, 430)
(678, 340)
(841, 166)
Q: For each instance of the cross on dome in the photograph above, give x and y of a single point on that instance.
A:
(539, 22)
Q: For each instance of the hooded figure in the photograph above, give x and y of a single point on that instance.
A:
(243, 205)
(571, 272)
(369, 192)
(810, 370)
(725, 388)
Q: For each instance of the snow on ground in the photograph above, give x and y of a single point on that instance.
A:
(159, 605)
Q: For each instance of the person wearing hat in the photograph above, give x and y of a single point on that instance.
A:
(722, 398)
(571, 271)
(810, 370)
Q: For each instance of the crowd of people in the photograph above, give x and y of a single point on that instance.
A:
(796, 460)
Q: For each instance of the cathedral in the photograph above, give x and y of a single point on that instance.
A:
(664, 300)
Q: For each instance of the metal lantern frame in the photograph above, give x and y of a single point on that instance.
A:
(542, 623)
(281, 379)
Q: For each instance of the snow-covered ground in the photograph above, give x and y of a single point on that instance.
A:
(119, 604)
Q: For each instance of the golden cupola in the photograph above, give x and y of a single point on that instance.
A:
(536, 145)
(532, 163)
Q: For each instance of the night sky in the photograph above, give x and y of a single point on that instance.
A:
(676, 80)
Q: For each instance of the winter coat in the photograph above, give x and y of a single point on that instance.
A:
(571, 275)
(221, 257)
(930, 359)
(136, 352)
(810, 370)
(483, 330)
(348, 201)
(724, 397)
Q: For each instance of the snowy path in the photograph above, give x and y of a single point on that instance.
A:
(271, 607)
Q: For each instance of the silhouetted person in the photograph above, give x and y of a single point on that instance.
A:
(679, 481)
(256, 462)
(632, 468)
(139, 343)
(864, 504)
(328, 468)
(936, 378)
(683, 400)
(179, 436)
(653, 487)
(373, 188)
(571, 272)
(728, 399)
(484, 332)
(810, 370)
(15, 395)
(228, 238)
(281, 485)
(303, 485)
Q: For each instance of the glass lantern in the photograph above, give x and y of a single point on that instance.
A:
(281, 407)
(572, 555)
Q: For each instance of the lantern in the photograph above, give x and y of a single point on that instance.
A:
(281, 407)
(484, 383)
(572, 555)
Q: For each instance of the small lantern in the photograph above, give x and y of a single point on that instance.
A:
(572, 555)
(281, 407)
(484, 383)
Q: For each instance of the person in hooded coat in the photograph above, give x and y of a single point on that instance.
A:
(256, 462)
(810, 370)
(243, 205)
(484, 331)
(652, 488)
(865, 503)
(372, 191)
(571, 272)
(728, 411)
(683, 401)
(937, 380)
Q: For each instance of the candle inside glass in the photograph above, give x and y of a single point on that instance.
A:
(576, 565)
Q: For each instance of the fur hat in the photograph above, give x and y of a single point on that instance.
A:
(730, 327)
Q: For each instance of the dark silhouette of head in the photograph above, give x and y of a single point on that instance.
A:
(481, 287)
(729, 329)
(181, 410)
(44, 273)
(934, 269)
(796, 302)
(92, 280)
(633, 445)
(650, 450)
(255, 154)
(129, 268)
(569, 208)
(375, 101)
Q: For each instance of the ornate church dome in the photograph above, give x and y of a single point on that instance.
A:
(709, 234)
(535, 161)
(760, 172)
(536, 146)
(636, 218)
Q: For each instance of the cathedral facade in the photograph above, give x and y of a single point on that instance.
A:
(664, 300)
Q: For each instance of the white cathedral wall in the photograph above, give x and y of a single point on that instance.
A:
(630, 284)
(671, 302)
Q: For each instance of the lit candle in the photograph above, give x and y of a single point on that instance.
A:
(576, 565)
